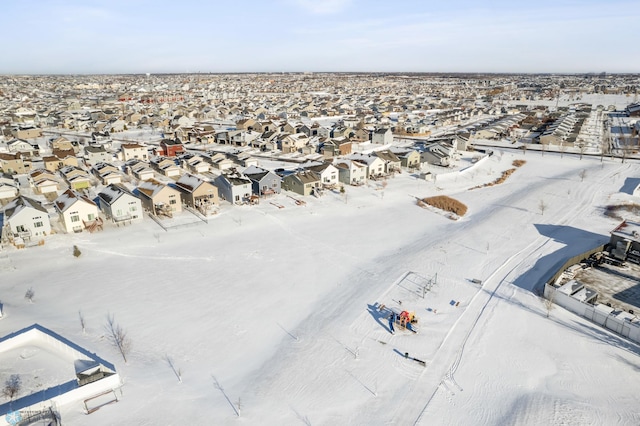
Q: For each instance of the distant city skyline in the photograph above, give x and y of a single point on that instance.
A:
(117, 36)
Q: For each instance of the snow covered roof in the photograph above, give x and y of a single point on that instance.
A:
(628, 230)
(68, 198)
(189, 182)
(20, 203)
(151, 188)
(113, 192)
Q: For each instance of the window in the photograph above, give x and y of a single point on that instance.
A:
(91, 216)
(38, 224)
(133, 208)
(172, 201)
(75, 218)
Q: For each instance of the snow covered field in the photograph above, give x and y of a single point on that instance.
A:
(270, 317)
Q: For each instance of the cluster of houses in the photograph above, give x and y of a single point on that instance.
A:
(120, 183)
(196, 141)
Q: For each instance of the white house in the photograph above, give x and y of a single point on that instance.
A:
(26, 218)
(329, 174)
(382, 137)
(351, 172)
(76, 212)
(375, 165)
(120, 205)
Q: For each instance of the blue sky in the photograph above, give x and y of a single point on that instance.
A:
(156, 36)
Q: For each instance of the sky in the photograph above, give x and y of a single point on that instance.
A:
(159, 36)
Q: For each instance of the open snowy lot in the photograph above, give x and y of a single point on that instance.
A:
(271, 315)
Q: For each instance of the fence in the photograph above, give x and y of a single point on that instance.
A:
(574, 260)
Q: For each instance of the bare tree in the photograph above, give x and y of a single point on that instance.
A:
(118, 337)
(549, 302)
(583, 148)
(30, 294)
(582, 174)
(12, 386)
(82, 321)
(542, 206)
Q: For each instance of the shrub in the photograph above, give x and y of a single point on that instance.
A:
(76, 251)
(518, 163)
(498, 181)
(445, 203)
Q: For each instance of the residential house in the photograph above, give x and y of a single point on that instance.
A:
(197, 193)
(119, 204)
(26, 218)
(139, 169)
(220, 162)
(351, 172)
(26, 132)
(342, 132)
(392, 163)
(27, 149)
(375, 165)
(43, 181)
(170, 148)
(328, 173)
(14, 163)
(76, 177)
(64, 144)
(158, 198)
(382, 136)
(236, 137)
(77, 212)
(134, 151)
(335, 147)
(60, 159)
(194, 163)
(8, 189)
(303, 182)
(409, 157)
(438, 154)
(233, 187)
(246, 124)
(166, 166)
(107, 173)
(294, 143)
(95, 154)
(263, 182)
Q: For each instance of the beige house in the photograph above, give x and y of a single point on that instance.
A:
(60, 159)
(140, 170)
(166, 167)
(27, 133)
(107, 173)
(197, 193)
(158, 198)
(409, 157)
(76, 177)
(134, 151)
(13, 163)
(43, 181)
(64, 144)
(294, 143)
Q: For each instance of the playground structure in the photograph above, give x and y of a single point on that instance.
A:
(401, 318)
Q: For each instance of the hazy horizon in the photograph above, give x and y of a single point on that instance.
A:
(247, 36)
